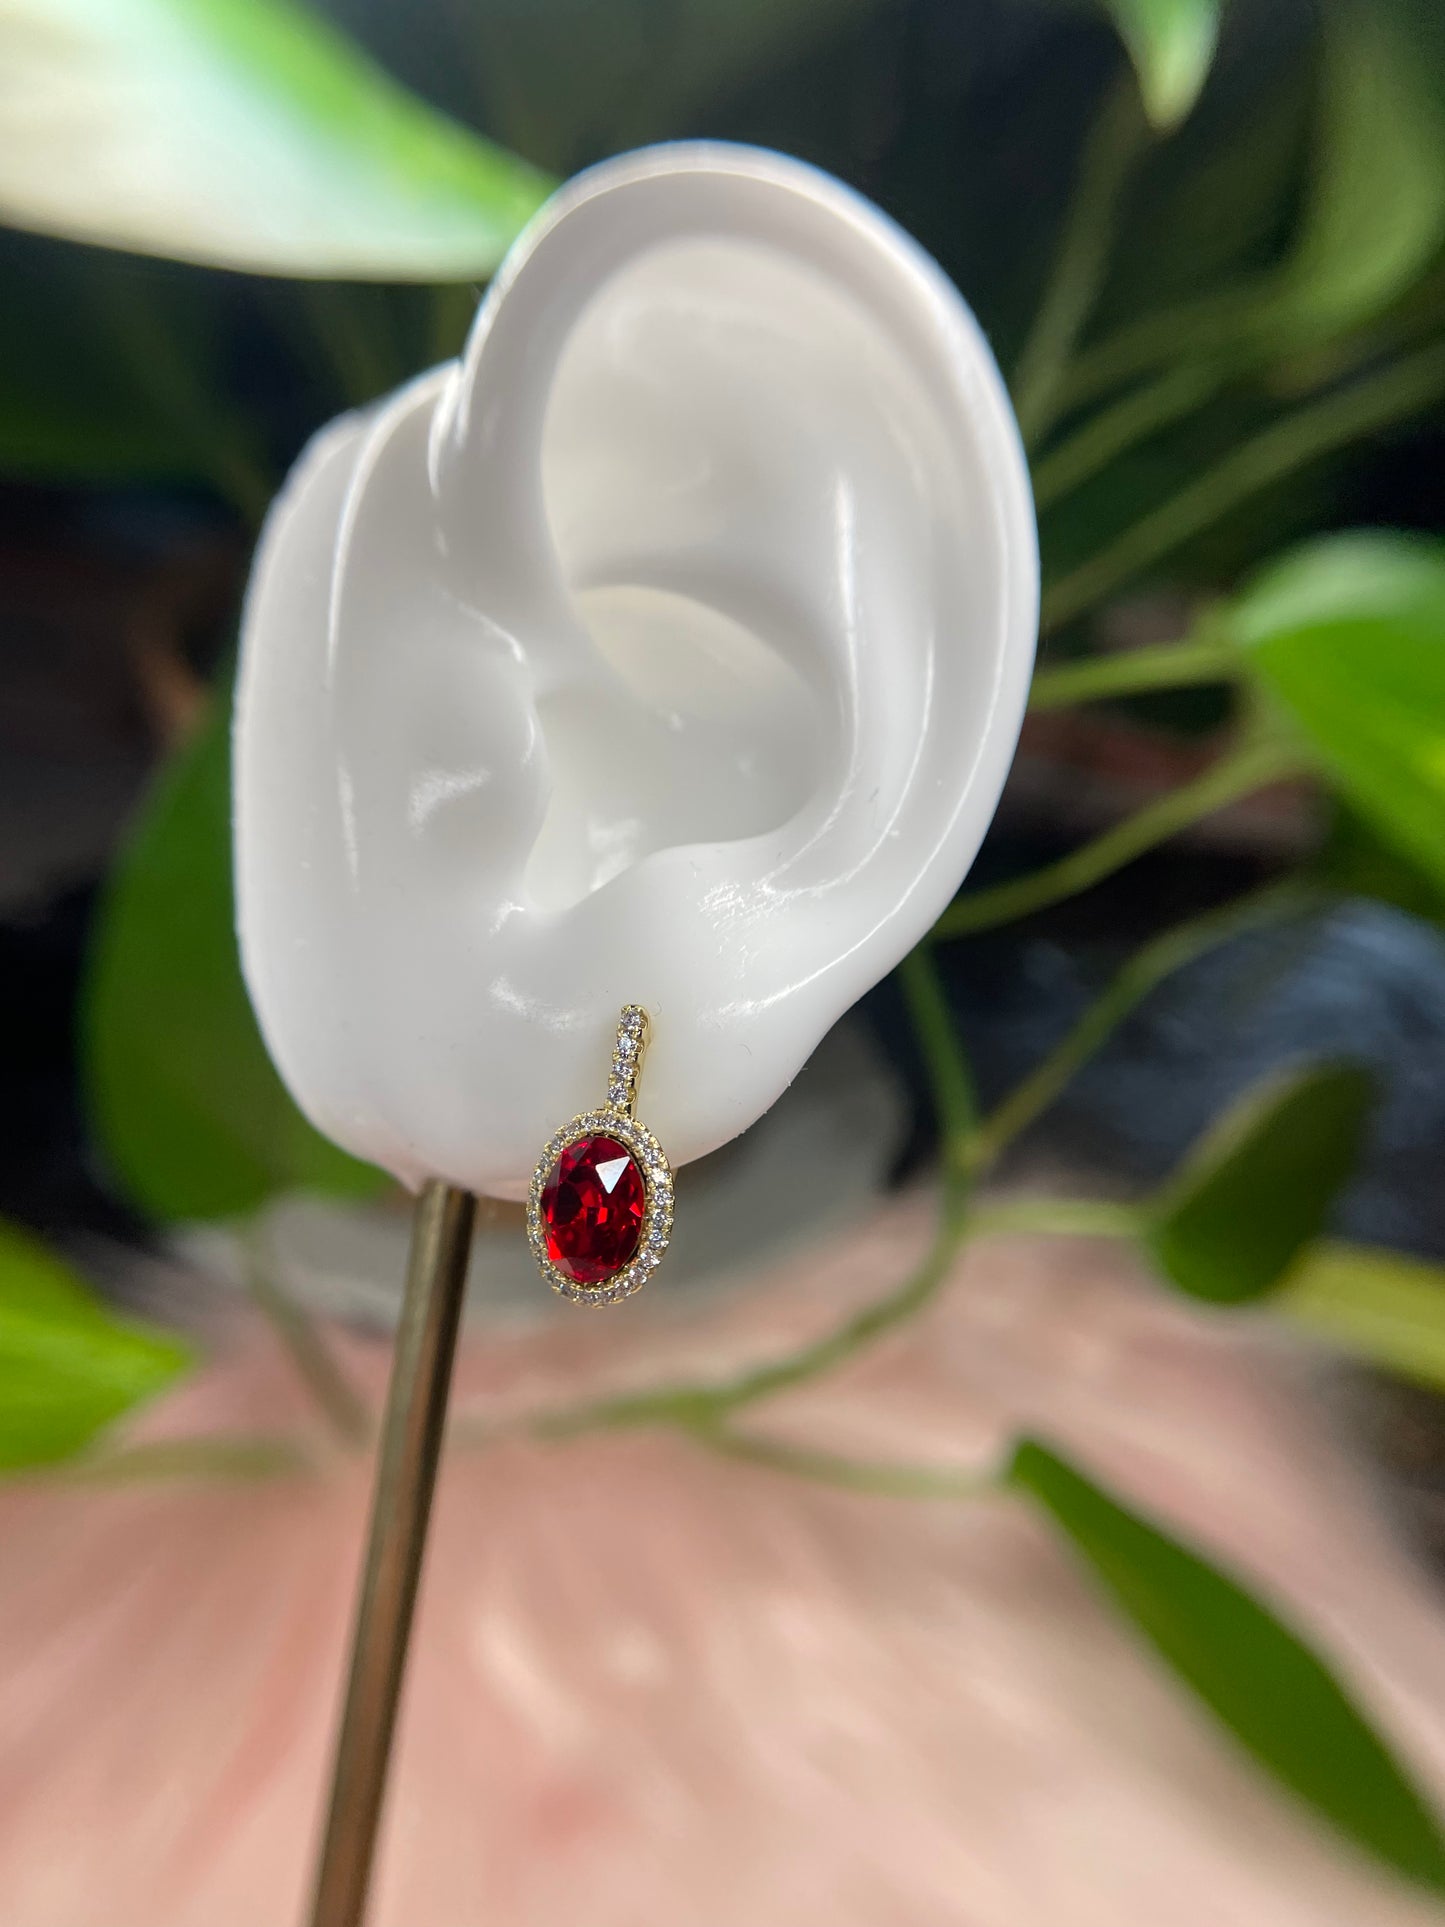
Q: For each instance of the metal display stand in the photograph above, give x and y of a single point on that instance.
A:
(411, 1441)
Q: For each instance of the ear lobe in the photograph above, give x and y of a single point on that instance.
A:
(675, 649)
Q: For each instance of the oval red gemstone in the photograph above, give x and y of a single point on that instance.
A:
(592, 1206)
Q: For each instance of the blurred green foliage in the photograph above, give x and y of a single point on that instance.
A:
(1260, 1186)
(1256, 1675)
(1348, 633)
(195, 1121)
(68, 1367)
(245, 134)
(1376, 217)
(1377, 1303)
(1216, 270)
(1171, 43)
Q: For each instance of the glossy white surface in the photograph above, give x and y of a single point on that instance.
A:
(671, 647)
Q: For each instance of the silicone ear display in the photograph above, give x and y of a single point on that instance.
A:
(670, 649)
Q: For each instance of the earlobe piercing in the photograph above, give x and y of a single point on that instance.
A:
(599, 1212)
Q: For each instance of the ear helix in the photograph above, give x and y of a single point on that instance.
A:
(669, 649)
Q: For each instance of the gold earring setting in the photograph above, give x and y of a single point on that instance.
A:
(599, 1213)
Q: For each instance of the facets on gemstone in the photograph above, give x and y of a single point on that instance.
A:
(592, 1207)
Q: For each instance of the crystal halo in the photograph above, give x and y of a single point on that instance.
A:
(613, 1119)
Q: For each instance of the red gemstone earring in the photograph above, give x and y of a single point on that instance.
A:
(600, 1209)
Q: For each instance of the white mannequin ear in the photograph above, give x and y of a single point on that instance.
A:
(671, 648)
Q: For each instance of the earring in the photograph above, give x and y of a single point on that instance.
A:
(600, 1209)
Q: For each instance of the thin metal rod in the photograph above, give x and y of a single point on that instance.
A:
(411, 1438)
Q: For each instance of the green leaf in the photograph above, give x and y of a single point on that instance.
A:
(67, 1366)
(1171, 43)
(1348, 632)
(189, 1112)
(1374, 1304)
(1259, 1185)
(1375, 216)
(1209, 208)
(244, 134)
(1355, 862)
(1257, 1677)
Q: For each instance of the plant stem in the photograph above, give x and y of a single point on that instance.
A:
(1056, 1218)
(710, 1404)
(853, 1475)
(349, 324)
(163, 366)
(318, 1369)
(1215, 326)
(1113, 430)
(875, 1321)
(1252, 766)
(948, 1068)
(1167, 665)
(1371, 1303)
(705, 1408)
(1184, 387)
(1230, 334)
(1083, 253)
(1331, 422)
(198, 1458)
(1145, 970)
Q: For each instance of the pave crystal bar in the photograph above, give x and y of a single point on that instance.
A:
(633, 1031)
(614, 1119)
